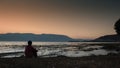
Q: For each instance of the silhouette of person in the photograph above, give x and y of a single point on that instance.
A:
(117, 27)
(30, 51)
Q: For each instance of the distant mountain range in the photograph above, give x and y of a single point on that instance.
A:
(36, 37)
(54, 38)
(108, 38)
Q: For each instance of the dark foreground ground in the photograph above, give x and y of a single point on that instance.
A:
(62, 62)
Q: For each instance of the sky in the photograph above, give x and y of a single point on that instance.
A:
(87, 19)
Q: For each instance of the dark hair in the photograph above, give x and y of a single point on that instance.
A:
(29, 42)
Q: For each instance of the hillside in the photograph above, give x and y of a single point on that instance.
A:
(108, 38)
(34, 37)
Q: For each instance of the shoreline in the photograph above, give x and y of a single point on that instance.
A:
(62, 62)
(88, 50)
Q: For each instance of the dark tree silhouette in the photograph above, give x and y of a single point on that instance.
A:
(117, 27)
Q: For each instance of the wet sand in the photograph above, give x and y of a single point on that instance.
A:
(62, 62)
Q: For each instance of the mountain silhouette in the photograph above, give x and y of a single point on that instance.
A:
(108, 38)
(34, 37)
(111, 38)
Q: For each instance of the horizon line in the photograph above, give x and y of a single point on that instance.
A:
(44, 33)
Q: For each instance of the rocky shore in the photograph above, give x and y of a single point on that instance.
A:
(62, 62)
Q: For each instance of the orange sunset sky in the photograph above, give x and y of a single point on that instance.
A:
(75, 18)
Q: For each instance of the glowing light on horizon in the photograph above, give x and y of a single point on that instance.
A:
(74, 19)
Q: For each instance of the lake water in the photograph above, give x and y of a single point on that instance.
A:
(54, 49)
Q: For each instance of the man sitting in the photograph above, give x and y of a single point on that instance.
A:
(30, 51)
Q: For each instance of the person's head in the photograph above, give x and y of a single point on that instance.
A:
(117, 27)
(29, 42)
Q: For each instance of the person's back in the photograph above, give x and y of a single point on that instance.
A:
(30, 51)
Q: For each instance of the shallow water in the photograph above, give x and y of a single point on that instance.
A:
(53, 49)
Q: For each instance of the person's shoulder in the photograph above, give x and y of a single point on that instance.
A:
(28, 46)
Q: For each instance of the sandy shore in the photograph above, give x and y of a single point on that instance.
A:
(62, 62)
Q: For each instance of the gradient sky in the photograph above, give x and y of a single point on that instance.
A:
(75, 18)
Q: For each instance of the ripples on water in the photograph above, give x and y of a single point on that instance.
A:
(54, 49)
